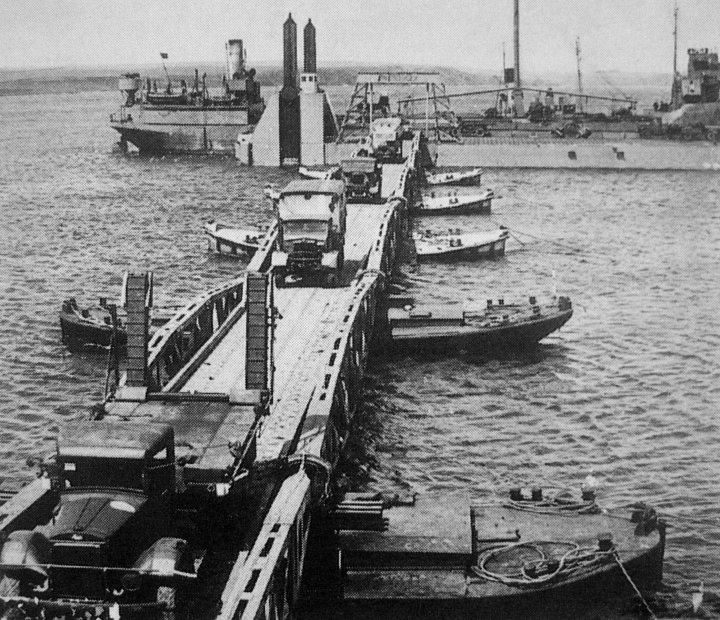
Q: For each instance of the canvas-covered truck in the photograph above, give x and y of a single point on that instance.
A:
(388, 135)
(362, 177)
(311, 230)
(118, 535)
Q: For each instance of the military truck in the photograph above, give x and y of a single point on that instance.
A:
(362, 177)
(311, 231)
(387, 137)
(112, 536)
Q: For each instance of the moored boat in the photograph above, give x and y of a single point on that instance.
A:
(456, 203)
(92, 326)
(498, 326)
(318, 173)
(232, 241)
(527, 557)
(458, 177)
(89, 326)
(461, 246)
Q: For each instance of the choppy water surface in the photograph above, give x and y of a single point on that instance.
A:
(629, 389)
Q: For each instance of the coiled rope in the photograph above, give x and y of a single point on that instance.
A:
(543, 569)
(555, 505)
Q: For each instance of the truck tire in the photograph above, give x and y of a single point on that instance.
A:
(279, 279)
(174, 607)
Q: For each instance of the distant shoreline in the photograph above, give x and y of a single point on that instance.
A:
(65, 80)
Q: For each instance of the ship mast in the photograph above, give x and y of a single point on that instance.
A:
(676, 92)
(579, 75)
(675, 39)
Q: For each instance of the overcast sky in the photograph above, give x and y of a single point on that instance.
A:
(615, 34)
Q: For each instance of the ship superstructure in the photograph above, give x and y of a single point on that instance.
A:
(702, 84)
(184, 118)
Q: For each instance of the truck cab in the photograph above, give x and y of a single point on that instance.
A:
(387, 135)
(109, 538)
(362, 177)
(311, 230)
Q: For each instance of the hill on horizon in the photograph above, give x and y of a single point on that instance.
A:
(68, 80)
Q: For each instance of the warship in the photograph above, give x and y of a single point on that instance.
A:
(189, 119)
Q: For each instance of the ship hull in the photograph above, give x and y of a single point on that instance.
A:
(169, 138)
(470, 338)
(523, 151)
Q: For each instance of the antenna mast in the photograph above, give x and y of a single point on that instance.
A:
(579, 75)
(676, 94)
(675, 39)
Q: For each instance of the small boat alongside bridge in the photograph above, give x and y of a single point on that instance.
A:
(231, 241)
(461, 246)
(499, 326)
(455, 203)
(458, 177)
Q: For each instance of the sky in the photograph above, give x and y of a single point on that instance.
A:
(626, 35)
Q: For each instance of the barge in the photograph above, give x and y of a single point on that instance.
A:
(526, 557)
(499, 326)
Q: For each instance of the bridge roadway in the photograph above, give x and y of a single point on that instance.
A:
(304, 336)
(194, 370)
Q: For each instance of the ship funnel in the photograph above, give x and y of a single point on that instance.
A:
(290, 54)
(518, 102)
(235, 59)
(310, 64)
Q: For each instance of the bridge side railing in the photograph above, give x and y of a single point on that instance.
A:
(192, 331)
(253, 594)
(174, 344)
(275, 567)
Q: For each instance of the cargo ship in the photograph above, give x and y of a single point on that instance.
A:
(189, 119)
(513, 126)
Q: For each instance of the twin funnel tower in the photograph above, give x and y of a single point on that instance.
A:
(298, 122)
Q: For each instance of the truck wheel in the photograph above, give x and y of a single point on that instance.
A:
(173, 605)
(279, 279)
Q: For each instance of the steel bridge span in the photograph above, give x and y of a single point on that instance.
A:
(195, 374)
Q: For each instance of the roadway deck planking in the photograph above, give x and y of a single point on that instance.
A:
(305, 330)
(391, 178)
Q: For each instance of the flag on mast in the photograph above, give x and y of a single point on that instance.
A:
(163, 55)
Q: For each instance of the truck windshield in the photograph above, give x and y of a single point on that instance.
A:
(305, 207)
(99, 472)
(313, 229)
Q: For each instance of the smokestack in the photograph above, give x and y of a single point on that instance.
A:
(310, 64)
(234, 53)
(290, 53)
(517, 44)
(517, 95)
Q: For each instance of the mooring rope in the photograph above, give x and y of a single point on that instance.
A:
(616, 557)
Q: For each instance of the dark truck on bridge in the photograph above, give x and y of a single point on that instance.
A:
(120, 532)
(311, 230)
(362, 177)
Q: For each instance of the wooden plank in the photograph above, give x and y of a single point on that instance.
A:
(21, 504)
